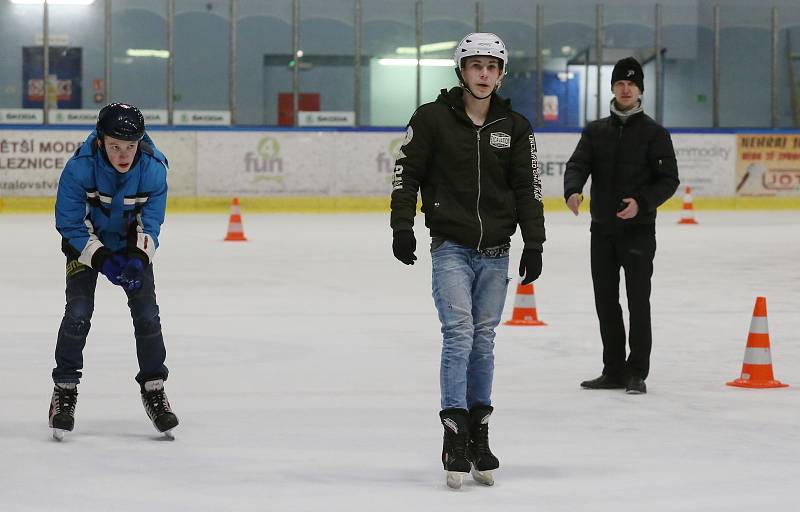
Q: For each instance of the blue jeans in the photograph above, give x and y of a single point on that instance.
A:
(469, 290)
(81, 284)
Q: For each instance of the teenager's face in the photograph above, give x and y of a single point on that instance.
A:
(120, 152)
(481, 74)
(626, 94)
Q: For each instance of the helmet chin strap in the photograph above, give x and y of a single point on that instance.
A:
(464, 85)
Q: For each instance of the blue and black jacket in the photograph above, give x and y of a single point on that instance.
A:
(99, 210)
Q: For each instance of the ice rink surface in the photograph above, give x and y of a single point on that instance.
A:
(304, 370)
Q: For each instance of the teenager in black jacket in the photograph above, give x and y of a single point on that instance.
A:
(475, 161)
(632, 164)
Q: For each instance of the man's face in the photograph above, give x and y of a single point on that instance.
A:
(120, 152)
(481, 74)
(626, 94)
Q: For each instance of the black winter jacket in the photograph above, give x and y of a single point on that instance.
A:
(477, 183)
(633, 159)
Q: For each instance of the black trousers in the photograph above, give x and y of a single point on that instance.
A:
(80, 290)
(633, 251)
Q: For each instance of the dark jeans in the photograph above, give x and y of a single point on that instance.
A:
(634, 252)
(81, 283)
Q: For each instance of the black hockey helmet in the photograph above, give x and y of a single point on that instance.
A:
(120, 121)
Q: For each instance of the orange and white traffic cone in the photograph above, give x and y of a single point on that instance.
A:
(688, 208)
(525, 307)
(235, 228)
(757, 367)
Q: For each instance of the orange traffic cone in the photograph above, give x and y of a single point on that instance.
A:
(688, 208)
(525, 307)
(235, 228)
(757, 367)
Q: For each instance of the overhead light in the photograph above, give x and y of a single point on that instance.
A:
(426, 48)
(53, 2)
(413, 62)
(159, 54)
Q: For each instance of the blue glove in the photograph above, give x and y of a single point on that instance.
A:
(112, 267)
(130, 277)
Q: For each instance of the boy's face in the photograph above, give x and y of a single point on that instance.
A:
(481, 74)
(120, 152)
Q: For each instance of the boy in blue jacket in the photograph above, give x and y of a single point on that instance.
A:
(109, 208)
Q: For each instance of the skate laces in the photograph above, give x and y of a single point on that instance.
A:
(156, 402)
(480, 439)
(65, 400)
(459, 444)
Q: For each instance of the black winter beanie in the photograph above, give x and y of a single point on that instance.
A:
(628, 69)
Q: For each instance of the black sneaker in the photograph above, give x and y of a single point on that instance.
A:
(157, 406)
(603, 382)
(62, 407)
(636, 386)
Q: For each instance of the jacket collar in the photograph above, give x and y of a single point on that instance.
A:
(454, 98)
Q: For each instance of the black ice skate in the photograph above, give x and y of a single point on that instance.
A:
(454, 449)
(481, 457)
(157, 406)
(62, 409)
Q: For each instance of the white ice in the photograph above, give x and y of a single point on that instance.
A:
(304, 369)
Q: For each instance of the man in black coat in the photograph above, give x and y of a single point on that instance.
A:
(633, 168)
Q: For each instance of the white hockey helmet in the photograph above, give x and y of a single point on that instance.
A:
(481, 44)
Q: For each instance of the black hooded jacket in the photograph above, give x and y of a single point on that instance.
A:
(477, 183)
(632, 159)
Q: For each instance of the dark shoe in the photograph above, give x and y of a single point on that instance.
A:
(603, 382)
(636, 386)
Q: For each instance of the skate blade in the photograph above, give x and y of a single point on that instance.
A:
(455, 479)
(169, 435)
(58, 434)
(483, 477)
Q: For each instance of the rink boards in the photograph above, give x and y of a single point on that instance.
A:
(328, 170)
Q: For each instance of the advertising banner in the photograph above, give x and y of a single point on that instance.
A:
(554, 149)
(73, 116)
(21, 116)
(265, 163)
(63, 82)
(295, 163)
(705, 163)
(366, 162)
(180, 148)
(202, 117)
(31, 161)
(768, 165)
(326, 118)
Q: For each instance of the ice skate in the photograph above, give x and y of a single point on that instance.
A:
(157, 407)
(481, 458)
(62, 409)
(454, 449)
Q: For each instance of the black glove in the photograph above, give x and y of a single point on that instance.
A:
(530, 265)
(404, 245)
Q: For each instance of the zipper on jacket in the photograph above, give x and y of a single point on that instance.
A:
(478, 202)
